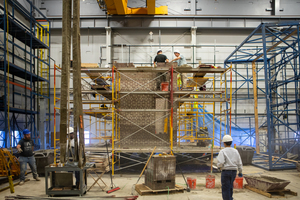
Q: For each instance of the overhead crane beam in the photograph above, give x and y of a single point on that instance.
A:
(119, 7)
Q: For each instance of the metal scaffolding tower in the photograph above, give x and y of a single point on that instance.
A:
(141, 113)
(25, 74)
(272, 52)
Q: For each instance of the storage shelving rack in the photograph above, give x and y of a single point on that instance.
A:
(272, 50)
(25, 73)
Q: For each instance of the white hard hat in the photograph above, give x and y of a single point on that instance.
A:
(177, 51)
(227, 138)
(70, 130)
(159, 50)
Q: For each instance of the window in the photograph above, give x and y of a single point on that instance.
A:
(297, 136)
(86, 137)
(15, 138)
(2, 135)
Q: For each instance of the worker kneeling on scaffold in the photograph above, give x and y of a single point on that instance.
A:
(229, 160)
(25, 149)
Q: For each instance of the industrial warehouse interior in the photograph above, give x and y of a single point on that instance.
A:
(149, 99)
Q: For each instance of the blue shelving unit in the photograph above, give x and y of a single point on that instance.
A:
(20, 44)
(275, 49)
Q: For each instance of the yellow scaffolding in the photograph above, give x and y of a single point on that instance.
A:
(101, 124)
(228, 110)
(190, 114)
(188, 111)
(55, 99)
(43, 54)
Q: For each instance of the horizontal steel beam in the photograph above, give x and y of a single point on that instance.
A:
(201, 100)
(150, 93)
(94, 91)
(95, 111)
(148, 69)
(94, 102)
(143, 110)
(198, 92)
(145, 92)
(169, 21)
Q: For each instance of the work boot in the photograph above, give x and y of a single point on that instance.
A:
(37, 179)
(21, 183)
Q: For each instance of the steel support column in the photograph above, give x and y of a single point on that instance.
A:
(108, 46)
(194, 42)
(266, 73)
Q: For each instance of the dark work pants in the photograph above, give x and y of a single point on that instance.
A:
(77, 177)
(77, 173)
(227, 179)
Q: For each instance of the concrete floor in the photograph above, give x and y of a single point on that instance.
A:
(125, 182)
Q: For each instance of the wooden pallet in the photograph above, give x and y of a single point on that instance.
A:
(142, 189)
(272, 194)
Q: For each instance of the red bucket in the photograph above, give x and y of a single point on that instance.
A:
(210, 181)
(238, 183)
(191, 182)
(165, 86)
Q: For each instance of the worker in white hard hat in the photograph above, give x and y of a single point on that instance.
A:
(160, 58)
(70, 133)
(180, 59)
(229, 160)
(71, 152)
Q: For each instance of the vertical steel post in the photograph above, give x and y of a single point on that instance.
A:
(213, 122)
(31, 93)
(255, 107)
(226, 129)
(266, 71)
(6, 75)
(54, 114)
(171, 100)
(49, 58)
(230, 109)
(113, 124)
(297, 71)
(221, 108)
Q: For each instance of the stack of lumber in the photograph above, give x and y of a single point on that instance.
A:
(101, 162)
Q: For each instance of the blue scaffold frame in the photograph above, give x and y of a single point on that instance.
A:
(274, 49)
(20, 31)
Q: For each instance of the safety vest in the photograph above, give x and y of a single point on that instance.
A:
(196, 103)
(179, 83)
(196, 97)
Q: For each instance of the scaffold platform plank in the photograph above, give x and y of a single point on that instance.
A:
(148, 69)
(157, 92)
(142, 189)
(182, 149)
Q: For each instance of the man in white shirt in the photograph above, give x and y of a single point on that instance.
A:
(229, 160)
(180, 59)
